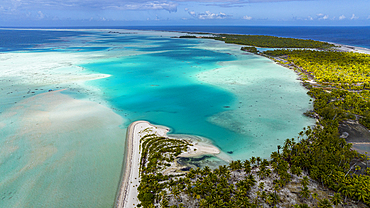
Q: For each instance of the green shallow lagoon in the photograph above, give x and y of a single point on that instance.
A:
(243, 103)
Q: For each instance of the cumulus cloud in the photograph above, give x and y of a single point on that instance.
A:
(342, 17)
(168, 6)
(354, 17)
(99, 4)
(246, 17)
(309, 18)
(209, 15)
(40, 15)
(322, 16)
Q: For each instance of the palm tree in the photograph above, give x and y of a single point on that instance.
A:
(301, 206)
(258, 159)
(247, 168)
(235, 165)
(261, 186)
(274, 156)
(251, 181)
(336, 199)
(324, 203)
(203, 203)
(346, 190)
(314, 195)
(253, 160)
(361, 194)
(206, 170)
(305, 193)
(304, 181)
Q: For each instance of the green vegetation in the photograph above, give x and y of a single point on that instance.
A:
(188, 36)
(327, 157)
(271, 41)
(249, 49)
(340, 69)
(157, 154)
(343, 78)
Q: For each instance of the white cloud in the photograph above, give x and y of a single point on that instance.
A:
(120, 4)
(342, 17)
(309, 18)
(354, 17)
(40, 15)
(209, 15)
(368, 17)
(322, 16)
(168, 6)
(186, 9)
(246, 17)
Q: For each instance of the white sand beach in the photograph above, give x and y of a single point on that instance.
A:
(127, 196)
(348, 48)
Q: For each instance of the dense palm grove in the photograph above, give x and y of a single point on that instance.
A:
(325, 155)
(340, 69)
(270, 41)
(340, 91)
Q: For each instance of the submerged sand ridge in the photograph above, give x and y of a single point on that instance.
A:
(23, 75)
(50, 135)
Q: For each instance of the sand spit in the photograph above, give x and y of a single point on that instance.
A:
(127, 194)
(348, 48)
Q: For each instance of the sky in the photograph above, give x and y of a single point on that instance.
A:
(64, 13)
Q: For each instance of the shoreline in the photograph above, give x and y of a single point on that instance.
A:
(132, 151)
(349, 48)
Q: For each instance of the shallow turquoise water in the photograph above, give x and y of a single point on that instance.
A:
(245, 104)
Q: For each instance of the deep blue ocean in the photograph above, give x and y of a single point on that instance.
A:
(11, 40)
(355, 36)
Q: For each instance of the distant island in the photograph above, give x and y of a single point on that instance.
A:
(320, 168)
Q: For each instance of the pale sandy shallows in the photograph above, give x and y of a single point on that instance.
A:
(56, 128)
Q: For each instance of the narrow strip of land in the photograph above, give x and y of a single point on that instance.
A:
(127, 196)
(130, 181)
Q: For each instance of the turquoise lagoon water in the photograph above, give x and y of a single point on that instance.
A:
(243, 103)
(177, 85)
